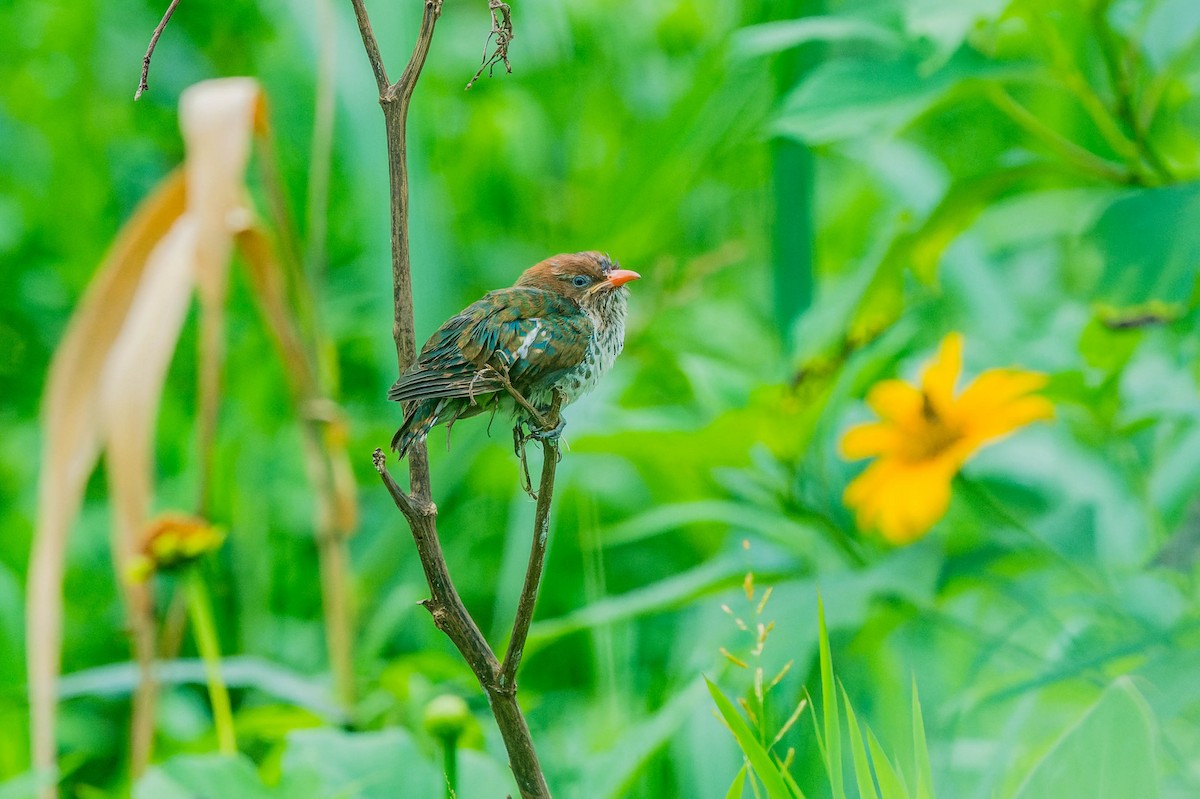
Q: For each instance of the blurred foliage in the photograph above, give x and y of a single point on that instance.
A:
(1022, 172)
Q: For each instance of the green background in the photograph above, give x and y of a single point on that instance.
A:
(813, 205)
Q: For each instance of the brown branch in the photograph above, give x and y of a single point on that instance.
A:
(142, 85)
(444, 603)
(537, 559)
(371, 45)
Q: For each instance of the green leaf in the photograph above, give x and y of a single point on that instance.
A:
(738, 785)
(891, 782)
(829, 707)
(848, 98)
(365, 765)
(190, 776)
(920, 748)
(760, 761)
(1107, 754)
(862, 768)
(1149, 244)
(772, 37)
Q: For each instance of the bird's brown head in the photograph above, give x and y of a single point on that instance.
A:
(585, 277)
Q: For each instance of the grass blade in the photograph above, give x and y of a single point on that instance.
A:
(921, 749)
(862, 768)
(891, 782)
(760, 761)
(829, 701)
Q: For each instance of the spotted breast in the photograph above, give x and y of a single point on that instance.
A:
(560, 327)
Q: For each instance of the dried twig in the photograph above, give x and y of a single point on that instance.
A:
(444, 603)
(502, 32)
(142, 85)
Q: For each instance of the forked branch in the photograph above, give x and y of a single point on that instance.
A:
(444, 603)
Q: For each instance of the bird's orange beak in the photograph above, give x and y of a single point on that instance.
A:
(619, 277)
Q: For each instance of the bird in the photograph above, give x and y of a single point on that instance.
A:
(559, 328)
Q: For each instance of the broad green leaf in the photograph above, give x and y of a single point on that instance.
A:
(1107, 754)
(760, 761)
(772, 37)
(829, 703)
(190, 776)
(946, 25)
(364, 765)
(717, 574)
(1149, 244)
(847, 98)
(483, 777)
(862, 768)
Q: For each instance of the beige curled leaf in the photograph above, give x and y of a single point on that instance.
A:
(107, 378)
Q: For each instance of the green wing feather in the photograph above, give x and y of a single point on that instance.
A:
(530, 334)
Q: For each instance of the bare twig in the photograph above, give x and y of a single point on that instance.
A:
(371, 45)
(537, 557)
(502, 32)
(444, 603)
(142, 85)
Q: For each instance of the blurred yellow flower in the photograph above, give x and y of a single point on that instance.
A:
(171, 540)
(925, 434)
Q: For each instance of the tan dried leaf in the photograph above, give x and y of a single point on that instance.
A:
(107, 376)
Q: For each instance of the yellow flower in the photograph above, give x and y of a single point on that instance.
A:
(925, 434)
(171, 540)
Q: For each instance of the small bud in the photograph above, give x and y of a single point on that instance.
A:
(447, 716)
(172, 540)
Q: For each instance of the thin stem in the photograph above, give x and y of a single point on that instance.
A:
(450, 764)
(371, 45)
(1078, 85)
(1079, 157)
(205, 630)
(321, 153)
(993, 506)
(537, 561)
(1121, 80)
(142, 85)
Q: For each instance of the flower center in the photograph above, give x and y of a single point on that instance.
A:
(931, 437)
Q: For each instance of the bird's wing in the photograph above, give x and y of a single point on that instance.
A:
(531, 334)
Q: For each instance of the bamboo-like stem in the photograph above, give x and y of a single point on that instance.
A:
(205, 630)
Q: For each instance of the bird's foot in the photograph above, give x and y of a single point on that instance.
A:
(550, 433)
(520, 438)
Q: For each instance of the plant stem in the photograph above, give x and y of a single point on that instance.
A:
(984, 498)
(450, 764)
(205, 630)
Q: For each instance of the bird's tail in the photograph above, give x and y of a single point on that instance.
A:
(419, 419)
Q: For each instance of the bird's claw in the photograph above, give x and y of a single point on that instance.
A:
(550, 433)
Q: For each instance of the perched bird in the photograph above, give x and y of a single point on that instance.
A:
(558, 329)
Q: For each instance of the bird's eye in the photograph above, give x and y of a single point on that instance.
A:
(580, 281)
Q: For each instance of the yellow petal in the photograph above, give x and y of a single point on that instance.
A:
(939, 377)
(895, 400)
(869, 440)
(998, 403)
(901, 500)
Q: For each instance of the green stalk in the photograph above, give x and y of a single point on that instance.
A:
(450, 764)
(205, 630)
